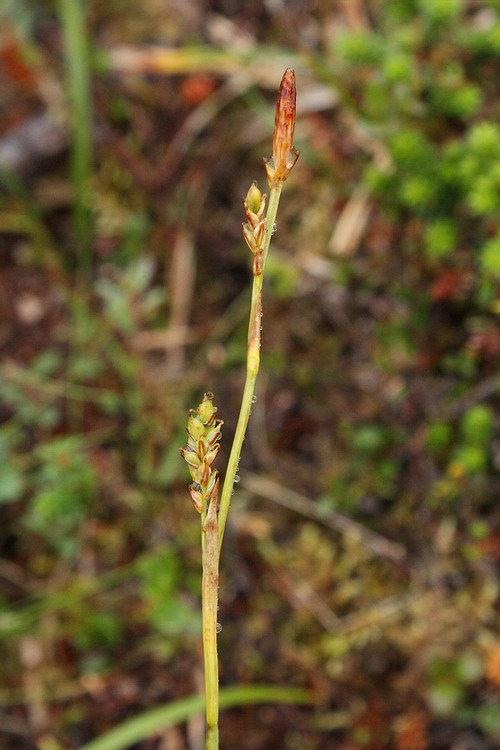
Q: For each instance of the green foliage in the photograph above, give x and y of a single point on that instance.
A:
(440, 11)
(398, 68)
(440, 238)
(11, 484)
(411, 150)
(12, 479)
(439, 435)
(426, 79)
(64, 493)
(488, 718)
(128, 299)
(418, 192)
(360, 48)
(169, 614)
(283, 275)
(449, 680)
(477, 425)
(368, 438)
(471, 455)
(98, 630)
(159, 719)
(490, 257)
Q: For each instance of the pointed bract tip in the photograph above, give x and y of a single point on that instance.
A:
(284, 155)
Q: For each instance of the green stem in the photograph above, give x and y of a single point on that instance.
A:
(76, 54)
(210, 585)
(253, 361)
(76, 51)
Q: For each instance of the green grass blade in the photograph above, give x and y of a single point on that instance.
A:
(158, 719)
(77, 61)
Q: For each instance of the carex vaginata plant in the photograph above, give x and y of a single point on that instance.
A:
(204, 429)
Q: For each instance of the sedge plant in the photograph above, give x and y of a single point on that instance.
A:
(204, 429)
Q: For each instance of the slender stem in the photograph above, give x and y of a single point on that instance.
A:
(76, 51)
(210, 583)
(76, 54)
(253, 361)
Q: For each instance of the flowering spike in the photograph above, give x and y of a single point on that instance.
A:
(284, 154)
(254, 230)
(201, 451)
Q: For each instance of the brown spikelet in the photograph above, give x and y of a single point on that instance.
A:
(254, 231)
(492, 664)
(284, 154)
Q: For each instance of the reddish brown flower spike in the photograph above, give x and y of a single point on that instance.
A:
(284, 154)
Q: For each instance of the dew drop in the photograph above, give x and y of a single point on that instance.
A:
(254, 399)
(236, 479)
(218, 628)
(275, 227)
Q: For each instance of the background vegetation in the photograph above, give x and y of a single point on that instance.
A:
(363, 551)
